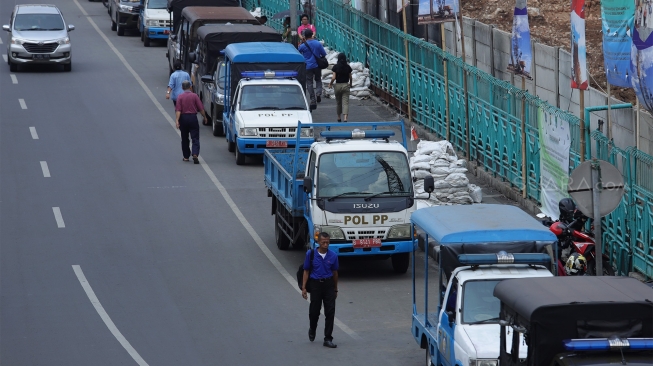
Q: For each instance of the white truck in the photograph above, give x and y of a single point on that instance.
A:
(479, 246)
(354, 184)
(264, 98)
(154, 21)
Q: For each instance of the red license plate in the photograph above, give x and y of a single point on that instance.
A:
(367, 243)
(276, 143)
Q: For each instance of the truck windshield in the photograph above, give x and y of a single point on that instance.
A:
(479, 303)
(272, 97)
(157, 4)
(364, 174)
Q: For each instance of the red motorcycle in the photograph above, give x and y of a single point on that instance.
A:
(581, 243)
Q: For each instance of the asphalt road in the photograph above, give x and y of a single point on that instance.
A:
(115, 252)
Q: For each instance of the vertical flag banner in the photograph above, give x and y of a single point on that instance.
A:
(436, 11)
(555, 141)
(401, 4)
(641, 55)
(617, 17)
(578, 58)
(521, 54)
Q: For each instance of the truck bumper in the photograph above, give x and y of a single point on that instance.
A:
(251, 146)
(157, 32)
(386, 248)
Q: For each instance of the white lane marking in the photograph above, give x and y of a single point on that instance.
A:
(13, 79)
(46, 170)
(214, 179)
(32, 130)
(22, 103)
(105, 317)
(58, 217)
(4, 58)
(0, 40)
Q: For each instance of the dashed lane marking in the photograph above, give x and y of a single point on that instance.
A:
(22, 103)
(45, 169)
(105, 316)
(32, 130)
(223, 191)
(13, 79)
(58, 217)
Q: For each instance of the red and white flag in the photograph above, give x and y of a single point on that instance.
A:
(413, 134)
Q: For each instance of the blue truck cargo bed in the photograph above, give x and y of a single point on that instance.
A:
(278, 165)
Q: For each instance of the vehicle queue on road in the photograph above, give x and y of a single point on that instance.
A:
(495, 284)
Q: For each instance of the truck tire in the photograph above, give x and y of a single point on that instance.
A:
(299, 243)
(119, 30)
(240, 157)
(113, 25)
(282, 240)
(217, 125)
(400, 262)
(13, 67)
(231, 146)
(142, 36)
(146, 40)
(429, 361)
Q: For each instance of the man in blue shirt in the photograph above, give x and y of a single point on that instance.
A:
(322, 277)
(310, 49)
(174, 85)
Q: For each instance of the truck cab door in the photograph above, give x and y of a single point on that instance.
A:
(310, 199)
(447, 324)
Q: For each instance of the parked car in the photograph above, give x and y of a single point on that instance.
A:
(124, 15)
(38, 35)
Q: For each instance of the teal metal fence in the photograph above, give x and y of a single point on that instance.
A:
(494, 118)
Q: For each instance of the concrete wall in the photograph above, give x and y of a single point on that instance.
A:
(488, 49)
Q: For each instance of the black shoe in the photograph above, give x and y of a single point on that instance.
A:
(329, 344)
(195, 159)
(313, 107)
(311, 335)
(319, 99)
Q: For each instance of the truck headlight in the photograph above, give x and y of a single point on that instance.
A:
(399, 231)
(473, 362)
(334, 232)
(126, 8)
(64, 40)
(17, 40)
(248, 131)
(306, 132)
(152, 23)
(220, 98)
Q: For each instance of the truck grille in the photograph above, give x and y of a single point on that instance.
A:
(41, 48)
(365, 234)
(282, 132)
(163, 23)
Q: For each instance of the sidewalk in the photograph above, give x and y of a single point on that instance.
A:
(371, 110)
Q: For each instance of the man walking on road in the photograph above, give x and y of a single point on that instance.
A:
(186, 108)
(321, 276)
(311, 49)
(174, 85)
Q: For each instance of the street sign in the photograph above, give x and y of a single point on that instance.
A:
(610, 187)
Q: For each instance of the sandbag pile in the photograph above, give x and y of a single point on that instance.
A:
(360, 78)
(439, 160)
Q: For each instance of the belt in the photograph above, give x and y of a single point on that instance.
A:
(323, 279)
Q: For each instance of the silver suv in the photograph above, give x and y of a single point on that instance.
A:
(38, 35)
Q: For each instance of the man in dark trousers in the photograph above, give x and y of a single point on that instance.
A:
(311, 49)
(322, 277)
(186, 108)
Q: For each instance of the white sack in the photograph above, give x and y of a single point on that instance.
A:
(475, 193)
(420, 174)
(457, 180)
(420, 159)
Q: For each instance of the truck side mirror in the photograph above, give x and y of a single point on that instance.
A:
(173, 37)
(71, 27)
(207, 79)
(192, 57)
(451, 317)
(308, 184)
(6, 28)
(429, 185)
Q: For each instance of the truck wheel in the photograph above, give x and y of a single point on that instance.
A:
(429, 362)
(114, 25)
(120, 30)
(142, 36)
(400, 262)
(282, 240)
(13, 67)
(299, 243)
(146, 40)
(217, 125)
(240, 157)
